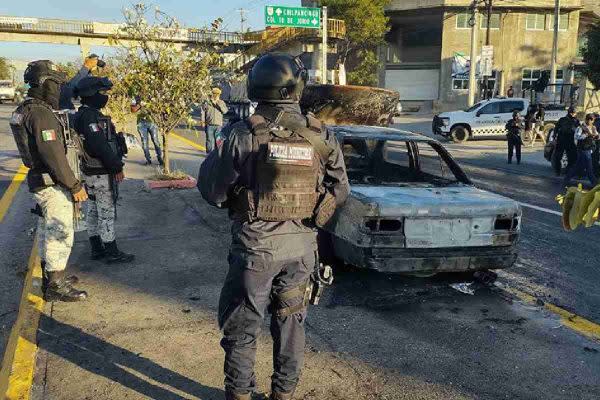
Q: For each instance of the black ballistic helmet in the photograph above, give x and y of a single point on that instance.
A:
(39, 71)
(277, 78)
(91, 85)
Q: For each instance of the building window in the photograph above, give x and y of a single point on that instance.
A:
(462, 21)
(535, 22)
(563, 22)
(494, 21)
(530, 75)
(460, 84)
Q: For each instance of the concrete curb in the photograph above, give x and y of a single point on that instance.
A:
(188, 183)
(16, 375)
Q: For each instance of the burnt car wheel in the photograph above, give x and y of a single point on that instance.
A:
(459, 134)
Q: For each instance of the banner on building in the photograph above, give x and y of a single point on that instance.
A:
(461, 65)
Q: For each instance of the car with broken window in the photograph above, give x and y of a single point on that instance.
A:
(412, 209)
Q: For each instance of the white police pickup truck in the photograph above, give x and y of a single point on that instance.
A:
(7, 91)
(487, 119)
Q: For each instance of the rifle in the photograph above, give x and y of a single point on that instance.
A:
(114, 190)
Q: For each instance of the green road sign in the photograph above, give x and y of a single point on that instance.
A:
(297, 17)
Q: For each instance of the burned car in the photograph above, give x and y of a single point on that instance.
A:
(412, 209)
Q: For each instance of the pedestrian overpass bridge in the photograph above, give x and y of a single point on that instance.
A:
(86, 34)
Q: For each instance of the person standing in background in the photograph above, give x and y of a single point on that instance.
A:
(213, 110)
(90, 64)
(585, 136)
(510, 92)
(514, 133)
(147, 129)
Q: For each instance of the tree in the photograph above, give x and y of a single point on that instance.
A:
(5, 69)
(69, 68)
(366, 26)
(591, 55)
(151, 65)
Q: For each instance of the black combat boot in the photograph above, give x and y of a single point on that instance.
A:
(281, 396)
(98, 250)
(71, 279)
(235, 396)
(60, 290)
(114, 255)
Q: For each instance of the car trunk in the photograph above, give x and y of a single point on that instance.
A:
(443, 217)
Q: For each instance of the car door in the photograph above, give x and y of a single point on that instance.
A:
(487, 120)
(507, 108)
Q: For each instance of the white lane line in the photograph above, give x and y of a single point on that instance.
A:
(546, 210)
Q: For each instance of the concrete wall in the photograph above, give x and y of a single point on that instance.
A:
(515, 48)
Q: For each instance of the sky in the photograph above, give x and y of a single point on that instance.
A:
(193, 13)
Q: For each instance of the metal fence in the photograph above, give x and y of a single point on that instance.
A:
(77, 27)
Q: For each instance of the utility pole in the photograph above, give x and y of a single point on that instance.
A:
(555, 43)
(242, 19)
(324, 45)
(473, 56)
(487, 42)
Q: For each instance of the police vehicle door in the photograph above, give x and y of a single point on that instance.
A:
(506, 111)
(487, 120)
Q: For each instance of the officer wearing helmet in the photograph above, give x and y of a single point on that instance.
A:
(279, 173)
(102, 166)
(43, 142)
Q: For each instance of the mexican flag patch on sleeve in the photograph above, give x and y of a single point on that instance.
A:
(48, 135)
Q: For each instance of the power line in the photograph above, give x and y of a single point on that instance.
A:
(243, 19)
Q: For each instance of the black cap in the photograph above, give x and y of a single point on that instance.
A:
(91, 85)
(571, 110)
(39, 71)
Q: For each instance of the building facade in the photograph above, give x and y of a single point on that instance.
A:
(428, 39)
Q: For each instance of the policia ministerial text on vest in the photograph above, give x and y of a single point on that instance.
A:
(285, 185)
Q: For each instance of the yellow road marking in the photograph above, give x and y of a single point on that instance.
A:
(187, 141)
(16, 375)
(570, 320)
(11, 191)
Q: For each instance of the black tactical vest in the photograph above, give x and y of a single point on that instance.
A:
(287, 168)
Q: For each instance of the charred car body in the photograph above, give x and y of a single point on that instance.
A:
(412, 209)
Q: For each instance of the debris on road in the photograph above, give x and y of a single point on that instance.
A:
(464, 287)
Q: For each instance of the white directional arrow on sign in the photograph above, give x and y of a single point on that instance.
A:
(278, 11)
(314, 21)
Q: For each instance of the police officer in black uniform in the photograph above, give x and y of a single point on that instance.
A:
(42, 140)
(102, 167)
(565, 140)
(278, 172)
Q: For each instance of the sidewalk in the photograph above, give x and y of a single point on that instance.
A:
(149, 329)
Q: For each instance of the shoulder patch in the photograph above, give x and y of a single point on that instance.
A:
(48, 135)
(16, 119)
(94, 127)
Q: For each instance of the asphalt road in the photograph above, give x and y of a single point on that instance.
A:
(486, 346)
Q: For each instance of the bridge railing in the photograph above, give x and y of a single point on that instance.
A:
(77, 27)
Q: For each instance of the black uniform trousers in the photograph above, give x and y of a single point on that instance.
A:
(250, 287)
(514, 145)
(559, 151)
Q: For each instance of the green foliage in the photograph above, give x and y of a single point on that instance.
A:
(366, 23)
(366, 26)
(365, 72)
(69, 68)
(591, 55)
(5, 69)
(151, 65)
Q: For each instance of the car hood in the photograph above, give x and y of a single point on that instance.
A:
(453, 114)
(450, 201)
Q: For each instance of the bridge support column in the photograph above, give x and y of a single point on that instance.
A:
(85, 48)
